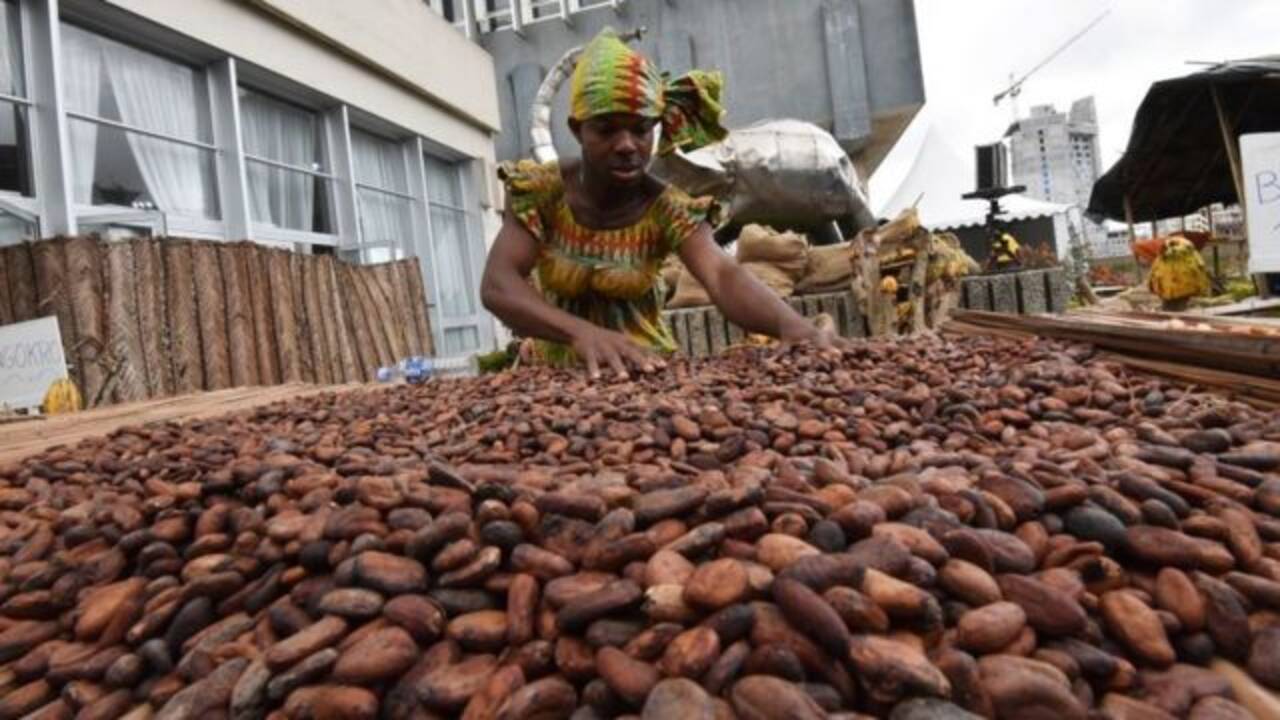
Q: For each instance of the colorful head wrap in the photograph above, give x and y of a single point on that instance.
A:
(611, 77)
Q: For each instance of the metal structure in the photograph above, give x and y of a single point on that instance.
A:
(784, 173)
(851, 67)
(1015, 86)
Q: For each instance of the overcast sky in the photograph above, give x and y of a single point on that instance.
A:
(969, 48)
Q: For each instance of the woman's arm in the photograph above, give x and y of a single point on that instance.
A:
(744, 300)
(506, 292)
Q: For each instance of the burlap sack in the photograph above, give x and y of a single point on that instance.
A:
(689, 292)
(829, 266)
(774, 277)
(788, 251)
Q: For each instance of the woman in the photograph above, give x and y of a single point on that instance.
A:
(597, 230)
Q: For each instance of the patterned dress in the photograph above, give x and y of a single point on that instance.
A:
(608, 277)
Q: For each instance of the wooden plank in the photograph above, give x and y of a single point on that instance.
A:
(362, 279)
(84, 278)
(389, 311)
(320, 353)
(6, 305)
(257, 265)
(21, 440)
(351, 370)
(124, 330)
(399, 276)
(366, 350)
(212, 307)
(403, 329)
(23, 297)
(320, 270)
(421, 313)
(285, 316)
(241, 338)
(183, 316)
(302, 321)
(153, 325)
(53, 295)
(717, 333)
(698, 344)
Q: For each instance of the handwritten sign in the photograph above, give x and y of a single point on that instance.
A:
(1260, 155)
(30, 360)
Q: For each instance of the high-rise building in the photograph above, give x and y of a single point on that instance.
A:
(1057, 156)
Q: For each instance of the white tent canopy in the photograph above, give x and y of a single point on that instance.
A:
(937, 179)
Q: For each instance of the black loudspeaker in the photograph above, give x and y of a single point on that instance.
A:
(993, 166)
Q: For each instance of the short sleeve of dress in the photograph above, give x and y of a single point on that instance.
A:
(682, 215)
(533, 189)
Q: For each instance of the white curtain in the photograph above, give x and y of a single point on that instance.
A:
(380, 164)
(162, 96)
(279, 132)
(11, 59)
(82, 88)
(454, 272)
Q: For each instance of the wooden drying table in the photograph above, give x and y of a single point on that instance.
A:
(22, 438)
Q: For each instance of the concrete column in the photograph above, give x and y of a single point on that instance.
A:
(233, 182)
(342, 190)
(50, 143)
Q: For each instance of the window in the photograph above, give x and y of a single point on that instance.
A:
(446, 8)
(385, 206)
(289, 183)
(15, 159)
(139, 128)
(14, 229)
(456, 265)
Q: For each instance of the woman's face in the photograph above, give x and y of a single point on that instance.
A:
(617, 144)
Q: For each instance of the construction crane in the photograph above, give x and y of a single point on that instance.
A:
(1015, 86)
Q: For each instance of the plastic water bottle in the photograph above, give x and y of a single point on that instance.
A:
(387, 374)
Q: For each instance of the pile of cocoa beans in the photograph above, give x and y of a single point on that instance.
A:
(933, 528)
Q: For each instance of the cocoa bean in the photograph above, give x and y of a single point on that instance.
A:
(760, 697)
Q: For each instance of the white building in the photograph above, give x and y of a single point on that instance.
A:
(1057, 156)
(363, 129)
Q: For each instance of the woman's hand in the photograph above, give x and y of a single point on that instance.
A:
(599, 347)
(805, 332)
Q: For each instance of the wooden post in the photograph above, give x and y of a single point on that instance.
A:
(123, 327)
(366, 350)
(1128, 218)
(21, 281)
(264, 330)
(212, 307)
(84, 276)
(148, 263)
(1228, 139)
(285, 318)
(240, 329)
(183, 320)
(6, 307)
(1217, 264)
(320, 352)
(302, 321)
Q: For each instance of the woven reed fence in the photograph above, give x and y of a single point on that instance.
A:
(155, 317)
